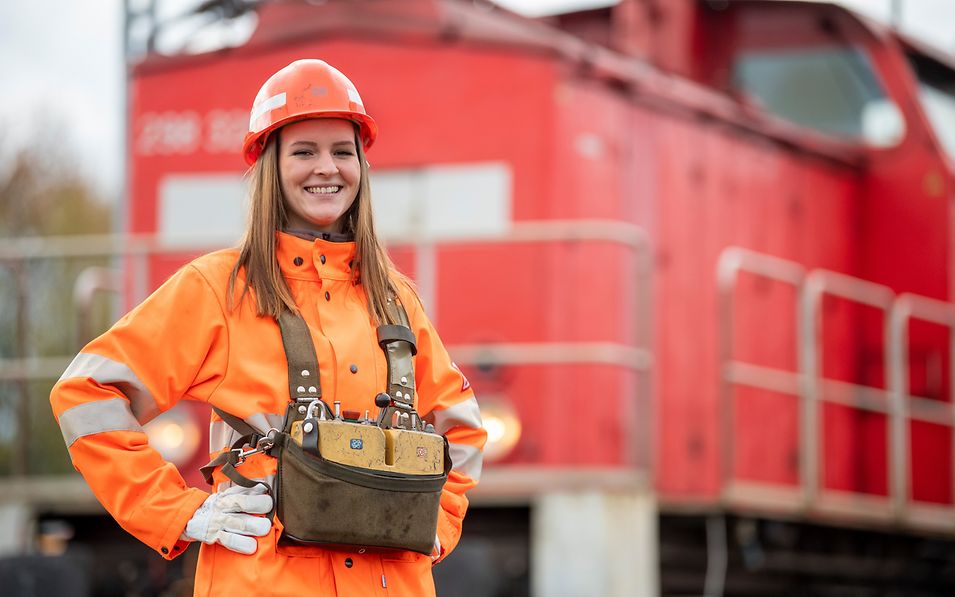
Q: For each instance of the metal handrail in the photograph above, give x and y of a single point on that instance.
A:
(812, 388)
(907, 307)
(107, 245)
(819, 283)
(637, 357)
(553, 353)
(730, 263)
(531, 232)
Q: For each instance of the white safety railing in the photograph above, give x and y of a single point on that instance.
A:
(813, 389)
(818, 389)
(731, 262)
(637, 357)
(136, 253)
(906, 308)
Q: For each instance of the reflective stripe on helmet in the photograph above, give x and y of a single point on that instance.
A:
(353, 96)
(276, 101)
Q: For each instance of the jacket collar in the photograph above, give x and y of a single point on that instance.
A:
(310, 235)
(315, 259)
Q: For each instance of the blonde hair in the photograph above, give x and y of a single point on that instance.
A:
(373, 269)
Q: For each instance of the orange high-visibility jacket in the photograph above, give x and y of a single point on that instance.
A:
(184, 342)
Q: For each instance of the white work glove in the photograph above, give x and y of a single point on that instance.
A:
(226, 518)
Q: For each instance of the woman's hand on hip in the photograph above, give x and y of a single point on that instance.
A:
(227, 518)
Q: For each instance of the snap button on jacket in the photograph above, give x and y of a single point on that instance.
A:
(183, 342)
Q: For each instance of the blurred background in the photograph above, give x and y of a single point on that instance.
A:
(695, 256)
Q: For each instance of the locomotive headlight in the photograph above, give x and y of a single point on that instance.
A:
(503, 427)
(175, 435)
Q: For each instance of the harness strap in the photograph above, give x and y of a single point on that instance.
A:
(210, 466)
(399, 344)
(303, 378)
(393, 333)
(235, 422)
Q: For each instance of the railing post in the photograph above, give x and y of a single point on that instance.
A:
(644, 453)
(951, 394)
(809, 370)
(426, 276)
(20, 465)
(139, 261)
(727, 267)
(89, 282)
(898, 382)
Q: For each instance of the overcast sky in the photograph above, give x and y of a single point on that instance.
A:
(61, 67)
(60, 62)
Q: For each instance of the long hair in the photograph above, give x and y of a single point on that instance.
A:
(373, 269)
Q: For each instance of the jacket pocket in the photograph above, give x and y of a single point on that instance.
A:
(407, 574)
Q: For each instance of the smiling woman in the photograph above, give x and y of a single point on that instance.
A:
(308, 311)
(320, 173)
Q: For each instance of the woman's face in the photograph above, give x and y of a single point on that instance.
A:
(319, 172)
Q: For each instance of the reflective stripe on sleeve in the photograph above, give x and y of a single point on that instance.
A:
(262, 422)
(221, 436)
(462, 414)
(97, 417)
(106, 371)
(466, 459)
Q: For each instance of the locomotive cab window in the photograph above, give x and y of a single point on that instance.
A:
(808, 64)
(833, 90)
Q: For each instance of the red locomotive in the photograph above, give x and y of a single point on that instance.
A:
(695, 254)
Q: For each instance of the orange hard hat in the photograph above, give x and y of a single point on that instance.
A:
(307, 88)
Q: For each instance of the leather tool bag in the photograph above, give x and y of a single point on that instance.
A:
(323, 502)
(350, 483)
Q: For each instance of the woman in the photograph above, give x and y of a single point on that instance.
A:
(210, 333)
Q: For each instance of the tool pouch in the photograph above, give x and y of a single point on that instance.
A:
(323, 502)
